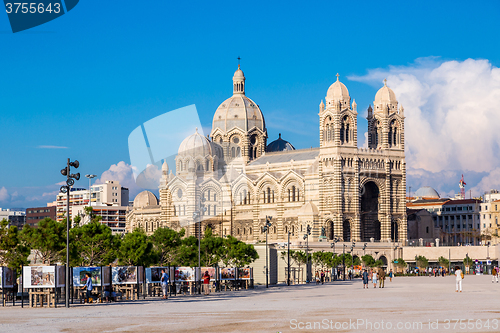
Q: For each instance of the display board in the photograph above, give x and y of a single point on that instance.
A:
(211, 271)
(183, 274)
(61, 276)
(39, 276)
(153, 274)
(80, 278)
(127, 274)
(245, 273)
(106, 275)
(6, 277)
(228, 274)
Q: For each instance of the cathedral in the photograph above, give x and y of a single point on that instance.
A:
(233, 181)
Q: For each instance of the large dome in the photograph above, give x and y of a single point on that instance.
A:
(427, 192)
(238, 110)
(337, 92)
(385, 95)
(279, 145)
(144, 199)
(195, 145)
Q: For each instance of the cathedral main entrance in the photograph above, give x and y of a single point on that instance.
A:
(370, 224)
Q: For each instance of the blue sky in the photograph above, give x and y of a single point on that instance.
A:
(102, 70)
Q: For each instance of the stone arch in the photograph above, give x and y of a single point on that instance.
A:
(383, 258)
(369, 209)
(346, 230)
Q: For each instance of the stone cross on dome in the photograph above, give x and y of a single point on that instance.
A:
(385, 82)
(239, 62)
(338, 76)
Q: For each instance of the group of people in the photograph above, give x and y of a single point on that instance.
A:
(320, 277)
(165, 277)
(376, 275)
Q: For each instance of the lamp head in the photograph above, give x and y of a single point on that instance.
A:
(75, 176)
(64, 172)
(74, 164)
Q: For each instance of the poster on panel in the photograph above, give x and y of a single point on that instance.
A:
(183, 274)
(244, 273)
(211, 271)
(1, 277)
(124, 274)
(80, 276)
(106, 275)
(228, 273)
(140, 274)
(61, 276)
(153, 274)
(8, 277)
(39, 276)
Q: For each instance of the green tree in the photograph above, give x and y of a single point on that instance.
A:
(238, 253)
(368, 260)
(422, 262)
(443, 262)
(468, 261)
(212, 249)
(187, 253)
(13, 250)
(136, 249)
(166, 243)
(93, 244)
(400, 263)
(48, 240)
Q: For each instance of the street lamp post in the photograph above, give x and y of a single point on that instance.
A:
(343, 260)
(306, 238)
(70, 181)
(332, 245)
(288, 277)
(266, 230)
(197, 216)
(90, 176)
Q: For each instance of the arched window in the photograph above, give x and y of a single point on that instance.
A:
(289, 195)
(293, 193)
(208, 209)
(344, 130)
(215, 209)
(180, 165)
(250, 231)
(238, 152)
(208, 195)
(207, 166)
(268, 195)
(244, 197)
(298, 195)
(233, 152)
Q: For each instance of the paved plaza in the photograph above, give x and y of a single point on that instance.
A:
(413, 304)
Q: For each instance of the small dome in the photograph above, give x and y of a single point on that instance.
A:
(337, 92)
(308, 209)
(279, 145)
(385, 95)
(195, 145)
(144, 199)
(238, 75)
(238, 111)
(427, 192)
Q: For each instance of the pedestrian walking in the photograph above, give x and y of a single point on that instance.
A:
(322, 275)
(381, 278)
(374, 279)
(316, 277)
(459, 276)
(88, 287)
(390, 275)
(494, 275)
(164, 283)
(206, 283)
(365, 279)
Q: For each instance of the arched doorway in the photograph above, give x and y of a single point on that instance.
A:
(347, 231)
(394, 231)
(369, 211)
(376, 230)
(384, 260)
(330, 232)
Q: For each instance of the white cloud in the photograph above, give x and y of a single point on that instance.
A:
(122, 172)
(451, 110)
(4, 194)
(51, 147)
